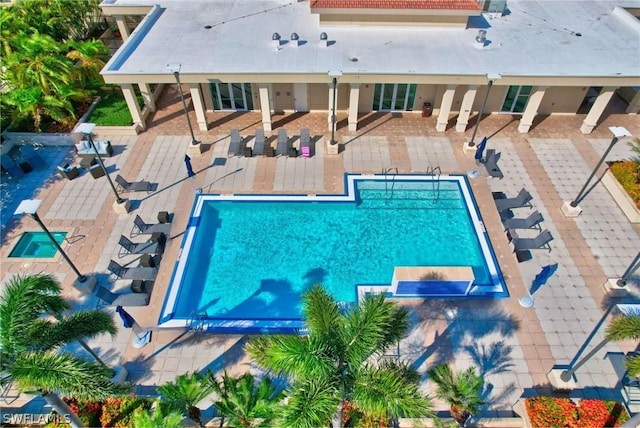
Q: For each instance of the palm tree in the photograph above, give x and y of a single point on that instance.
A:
(186, 392)
(160, 416)
(624, 327)
(244, 404)
(333, 364)
(89, 57)
(461, 391)
(30, 344)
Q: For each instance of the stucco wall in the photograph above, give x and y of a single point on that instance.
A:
(562, 100)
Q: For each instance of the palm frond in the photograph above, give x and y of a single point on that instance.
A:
(81, 325)
(186, 392)
(322, 316)
(372, 327)
(24, 300)
(63, 374)
(311, 403)
(632, 363)
(292, 355)
(390, 391)
(161, 416)
(623, 327)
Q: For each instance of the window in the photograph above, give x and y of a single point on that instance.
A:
(231, 96)
(516, 99)
(394, 97)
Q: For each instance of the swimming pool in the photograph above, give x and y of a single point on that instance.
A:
(246, 259)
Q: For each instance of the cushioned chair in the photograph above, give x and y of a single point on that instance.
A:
(104, 148)
(68, 172)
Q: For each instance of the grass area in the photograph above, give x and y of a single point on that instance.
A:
(112, 110)
(628, 175)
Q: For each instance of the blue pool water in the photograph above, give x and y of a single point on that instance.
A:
(37, 245)
(253, 260)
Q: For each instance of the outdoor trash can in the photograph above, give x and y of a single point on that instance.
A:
(293, 153)
(427, 110)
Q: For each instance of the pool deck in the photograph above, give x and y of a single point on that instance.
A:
(514, 347)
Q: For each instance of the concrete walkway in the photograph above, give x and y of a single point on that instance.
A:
(513, 347)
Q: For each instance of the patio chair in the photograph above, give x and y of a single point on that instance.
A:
(283, 142)
(142, 273)
(539, 242)
(522, 200)
(234, 143)
(305, 143)
(142, 228)
(135, 186)
(68, 172)
(531, 222)
(258, 145)
(122, 299)
(9, 166)
(128, 247)
(32, 157)
(491, 164)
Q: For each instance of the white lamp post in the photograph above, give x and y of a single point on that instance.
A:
(571, 209)
(121, 206)
(30, 207)
(175, 69)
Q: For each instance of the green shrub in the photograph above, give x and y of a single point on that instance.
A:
(627, 173)
(118, 411)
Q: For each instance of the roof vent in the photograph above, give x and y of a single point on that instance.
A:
(296, 39)
(481, 39)
(324, 39)
(276, 40)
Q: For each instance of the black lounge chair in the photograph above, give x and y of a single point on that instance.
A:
(522, 200)
(142, 273)
(142, 228)
(234, 143)
(283, 142)
(491, 164)
(122, 299)
(9, 166)
(128, 247)
(531, 222)
(539, 242)
(258, 145)
(135, 186)
(305, 143)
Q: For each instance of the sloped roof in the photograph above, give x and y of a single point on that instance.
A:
(396, 4)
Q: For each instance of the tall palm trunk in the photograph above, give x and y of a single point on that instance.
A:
(194, 414)
(337, 419)
(459, 415)
(62, 409)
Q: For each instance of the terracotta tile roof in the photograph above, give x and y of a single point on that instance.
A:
(396, 4)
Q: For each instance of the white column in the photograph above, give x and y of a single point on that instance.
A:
(331, 105)
(122, 27)
(354, 99)
(147, 96)
(132, 103)
(531, 110)
(445, 108)
(634, 105)
(466, 108)
(198, 106)
(265, 106)
(597, 108)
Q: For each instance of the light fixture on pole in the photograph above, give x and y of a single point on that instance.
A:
(563, 379)
(175, 69)
(571, 209)
(334, 80)
(492, 78)
(30, 207)
(86, 129)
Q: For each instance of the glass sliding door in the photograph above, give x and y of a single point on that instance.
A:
(516, 99)
(231, 96)
(394, 96)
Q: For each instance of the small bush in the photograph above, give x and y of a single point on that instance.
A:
(118, 411)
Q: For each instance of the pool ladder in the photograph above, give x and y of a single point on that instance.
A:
(436, 172)
(388, 192)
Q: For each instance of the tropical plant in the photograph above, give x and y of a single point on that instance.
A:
(624, 327)
(33, 328)
(244, 404)
(159, 416)
(186, 392)
(90, 57)
(333, 364)
(460, 390)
